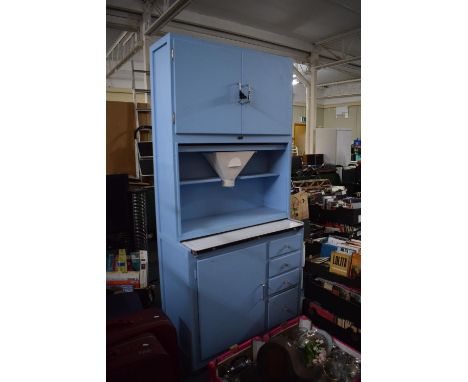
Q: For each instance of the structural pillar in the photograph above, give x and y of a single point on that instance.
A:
(311, 111)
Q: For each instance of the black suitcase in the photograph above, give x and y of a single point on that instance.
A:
(150, 321)
(140, 359)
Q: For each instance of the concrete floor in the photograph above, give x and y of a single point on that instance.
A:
(198, 376)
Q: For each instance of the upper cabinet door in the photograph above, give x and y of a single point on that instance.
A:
(206, 87)
(270, 79)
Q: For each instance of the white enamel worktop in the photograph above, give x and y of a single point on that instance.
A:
(230, 237)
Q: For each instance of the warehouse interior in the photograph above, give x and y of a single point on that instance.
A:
(230, 137)
(295, 126)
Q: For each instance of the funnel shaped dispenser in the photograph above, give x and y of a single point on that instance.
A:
(228, 165)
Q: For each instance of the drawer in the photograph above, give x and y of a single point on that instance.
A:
(285, 245)
(284, 263)
(283, 307)
(285, 281)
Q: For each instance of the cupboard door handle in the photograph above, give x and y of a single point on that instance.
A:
(264, 291)
(244, 98)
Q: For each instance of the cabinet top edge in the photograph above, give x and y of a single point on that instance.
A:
(171, 36)
(231, 237)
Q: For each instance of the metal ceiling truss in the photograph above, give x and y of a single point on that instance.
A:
(169, 13)
(123, 49)
(344, 89)
(196, 24)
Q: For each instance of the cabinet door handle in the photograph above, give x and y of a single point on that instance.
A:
(263, 291)
(244, 98)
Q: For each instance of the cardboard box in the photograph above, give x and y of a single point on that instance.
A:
(356, 265)
(120, 278)
(143, 269)
(340, 263)
(299, 204)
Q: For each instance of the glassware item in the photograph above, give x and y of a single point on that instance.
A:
(314, 346)
(341, 366)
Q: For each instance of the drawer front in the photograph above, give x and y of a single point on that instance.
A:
(285, 245)
(284, 263)
(285, 281)
(283, 307)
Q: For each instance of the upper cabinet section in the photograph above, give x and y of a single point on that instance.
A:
(206, 87)
(223, 89)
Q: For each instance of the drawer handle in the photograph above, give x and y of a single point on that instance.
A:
(286, 309)
(287, 283)
(285, 265)
(286, 246)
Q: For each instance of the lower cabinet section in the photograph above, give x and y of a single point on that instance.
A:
(283, 307)
(222, 297)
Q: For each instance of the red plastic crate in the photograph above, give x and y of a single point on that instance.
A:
(236, 349)
(283, 327)
(232, 352)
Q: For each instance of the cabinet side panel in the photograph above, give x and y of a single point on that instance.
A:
(165, 190)
(180, 296)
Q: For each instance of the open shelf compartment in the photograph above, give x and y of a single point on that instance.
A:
(260, 193)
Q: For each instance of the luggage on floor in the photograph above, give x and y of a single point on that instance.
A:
(140, 359)
(151, 322)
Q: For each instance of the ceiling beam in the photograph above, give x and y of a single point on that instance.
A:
(339, 82)
(338, 36)
(336, 63)
(121, 23)
(340, 95)
(346, 6)
(132, 6)
(193, 23)
(238, 40)
(238, 29)
(301, 77)
(171, 12)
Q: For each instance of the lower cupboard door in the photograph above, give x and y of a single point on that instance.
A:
(231, 298)
(283, 307)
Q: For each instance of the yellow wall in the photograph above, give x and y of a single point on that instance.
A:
(122, 95)
(326, 117)
(299, 111)
(330, 120)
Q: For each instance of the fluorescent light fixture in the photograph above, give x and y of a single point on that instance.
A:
(295, 81)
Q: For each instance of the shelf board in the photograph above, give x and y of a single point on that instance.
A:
(240, 177)
(231, 147)
(209, 225)
(262, 175)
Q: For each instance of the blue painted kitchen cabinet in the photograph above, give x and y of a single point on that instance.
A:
(208, 79)
(229, 257)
